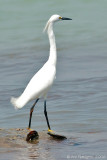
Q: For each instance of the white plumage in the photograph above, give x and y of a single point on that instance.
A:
(37, 87)
(41, 82)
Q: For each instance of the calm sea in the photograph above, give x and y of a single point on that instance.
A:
(77, 101)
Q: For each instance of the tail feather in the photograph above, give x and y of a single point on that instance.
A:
(17, 102)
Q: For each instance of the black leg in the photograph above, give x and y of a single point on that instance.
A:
(31, 111)
(45, 112)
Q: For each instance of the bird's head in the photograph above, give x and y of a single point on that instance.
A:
(55, 18)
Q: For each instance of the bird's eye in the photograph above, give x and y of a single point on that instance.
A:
(60, 17)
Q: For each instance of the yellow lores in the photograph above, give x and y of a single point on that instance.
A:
(41, 82)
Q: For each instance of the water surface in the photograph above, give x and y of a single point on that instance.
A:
(77, 102)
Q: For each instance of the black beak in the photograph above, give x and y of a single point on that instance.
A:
(63, 18)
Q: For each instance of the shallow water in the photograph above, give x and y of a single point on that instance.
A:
(76, 146)
(77, 101)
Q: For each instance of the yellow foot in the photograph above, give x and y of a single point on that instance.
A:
(49, 130)
(30, 129)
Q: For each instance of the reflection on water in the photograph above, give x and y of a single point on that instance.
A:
(33, 152)
(76, 144)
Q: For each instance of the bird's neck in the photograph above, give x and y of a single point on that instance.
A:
(53, 53)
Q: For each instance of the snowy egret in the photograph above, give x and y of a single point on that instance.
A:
(41, 82)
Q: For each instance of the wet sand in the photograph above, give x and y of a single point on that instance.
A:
(91, 145)
(14, 145)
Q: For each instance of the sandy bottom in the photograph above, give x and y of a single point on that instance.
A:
(14, 145)
(77, 146)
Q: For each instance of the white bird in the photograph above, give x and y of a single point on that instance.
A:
(41, 82)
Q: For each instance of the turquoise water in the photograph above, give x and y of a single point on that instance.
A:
(77, 101)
